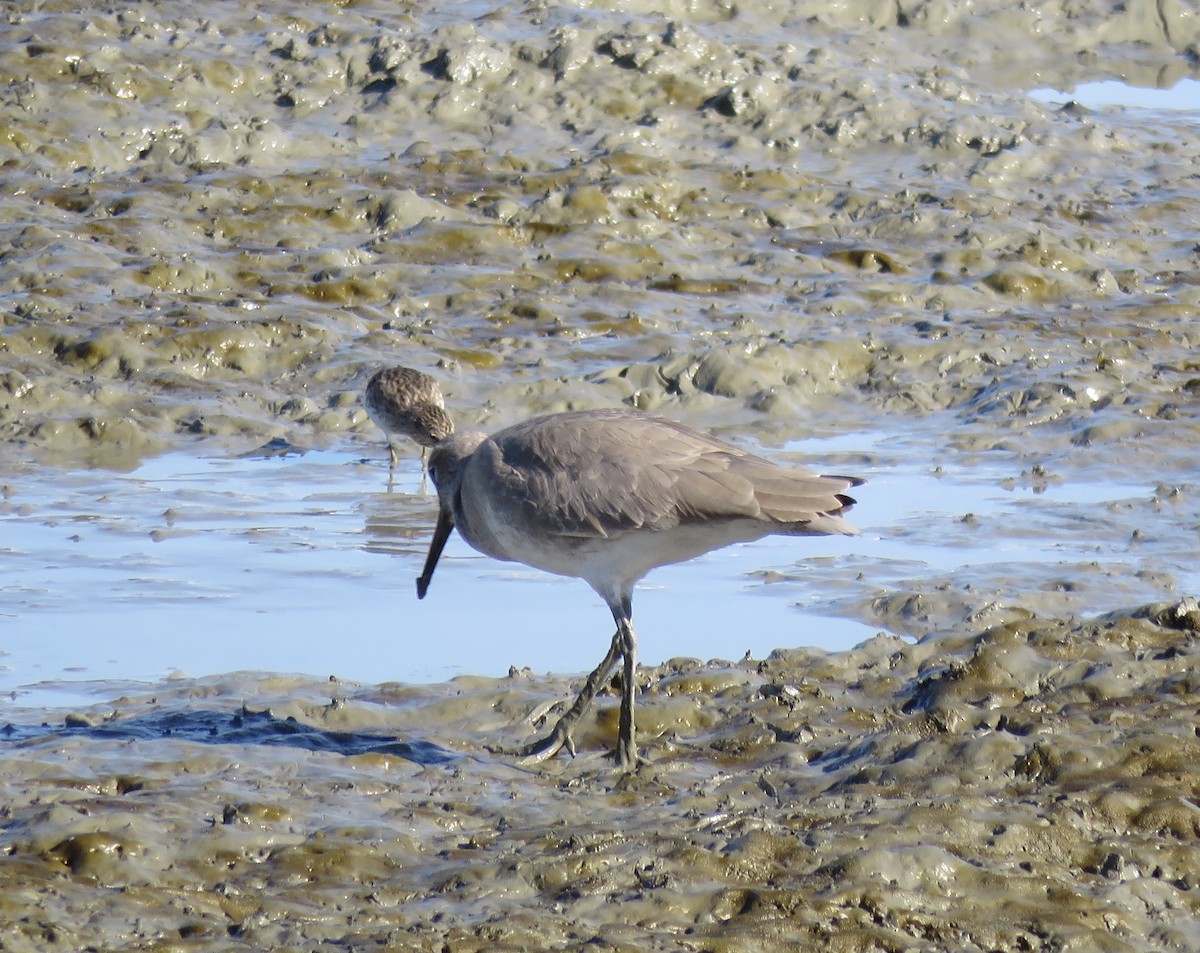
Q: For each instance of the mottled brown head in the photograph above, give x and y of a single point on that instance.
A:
(429, 424)
(407, 403)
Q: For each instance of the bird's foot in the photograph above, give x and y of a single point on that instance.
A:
(626, 756)
(539, 713)
(545, 748)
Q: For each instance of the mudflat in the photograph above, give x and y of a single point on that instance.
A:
(848, 224)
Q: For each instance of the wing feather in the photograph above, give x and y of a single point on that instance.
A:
(599, 473)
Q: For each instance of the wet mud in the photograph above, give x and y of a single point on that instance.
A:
(1031, 786)
(805, 221)
(215, 228)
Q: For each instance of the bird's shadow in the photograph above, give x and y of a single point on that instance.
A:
(243, 727)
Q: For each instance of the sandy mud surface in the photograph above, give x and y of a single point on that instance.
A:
(795, 221)
(215, 226)
(1028, 787)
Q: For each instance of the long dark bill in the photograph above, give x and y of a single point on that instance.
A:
(441, 533)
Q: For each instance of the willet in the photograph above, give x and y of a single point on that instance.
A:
(407, 403)
(606, 496)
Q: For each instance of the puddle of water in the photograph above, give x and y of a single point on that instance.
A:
(990, 524)
(302, 564)
(1184, 96)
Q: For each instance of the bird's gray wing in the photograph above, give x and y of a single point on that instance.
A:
(598, 473)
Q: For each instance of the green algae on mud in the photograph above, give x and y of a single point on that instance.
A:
(1030, 786)
(206, 220)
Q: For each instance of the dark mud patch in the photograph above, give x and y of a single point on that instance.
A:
(245, 727)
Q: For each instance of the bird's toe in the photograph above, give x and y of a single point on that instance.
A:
(545, 748)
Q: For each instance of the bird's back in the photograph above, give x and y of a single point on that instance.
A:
(600, 473)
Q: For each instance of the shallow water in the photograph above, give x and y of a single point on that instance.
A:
(303, 563)
(1183, 95)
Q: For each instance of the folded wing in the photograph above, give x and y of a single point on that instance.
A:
(595, 474)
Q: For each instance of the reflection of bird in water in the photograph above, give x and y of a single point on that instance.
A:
(606, 496)
(406, 403)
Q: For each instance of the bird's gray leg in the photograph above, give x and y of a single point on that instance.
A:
(560, 737)
(626, 746)
(624, 644)
(392, 457)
